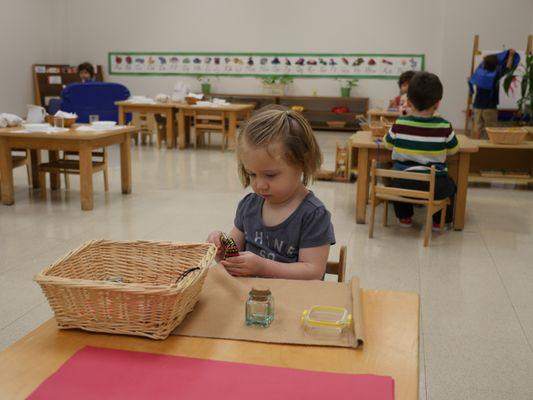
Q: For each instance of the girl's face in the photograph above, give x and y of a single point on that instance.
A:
(271, 177)
(404, 88)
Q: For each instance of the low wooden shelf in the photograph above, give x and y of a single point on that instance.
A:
(317, 109)
(516, 157)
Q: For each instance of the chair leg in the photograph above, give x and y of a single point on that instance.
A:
(372, 216)
(106, 181)
(42, 184)
(427, 230)
(385, 213)
(67, 180)
(28, 172)
(443, 217)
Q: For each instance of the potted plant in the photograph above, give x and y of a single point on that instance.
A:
(275, 85)
(525, 103)
(347, 85)
(205, 82)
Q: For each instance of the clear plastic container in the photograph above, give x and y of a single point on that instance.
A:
(326, 321)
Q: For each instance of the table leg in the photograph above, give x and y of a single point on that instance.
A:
(232, 129)
(125, 164)
(35, 157)
(170, 128)
(121, 115)
(55, 181)
(462, 186)
(181, 129)
(86, 177)
(6, 173)
(362, 186)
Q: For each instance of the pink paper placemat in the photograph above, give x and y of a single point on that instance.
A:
(97, 373)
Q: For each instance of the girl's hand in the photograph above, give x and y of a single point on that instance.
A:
(245, 264)
(214, 237)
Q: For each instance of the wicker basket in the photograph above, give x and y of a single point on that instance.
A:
(191, 100)
(129, 287)
(67, 122)
(379, 129)
(506, 135)
(336, 124)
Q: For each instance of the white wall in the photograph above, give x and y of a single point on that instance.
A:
(443, 30)
(31, 31)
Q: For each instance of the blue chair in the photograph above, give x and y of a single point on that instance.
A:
(84, 99)
(93, 98)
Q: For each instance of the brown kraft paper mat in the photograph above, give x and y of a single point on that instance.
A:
(219, 312)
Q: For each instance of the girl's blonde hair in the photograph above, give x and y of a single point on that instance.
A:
(277, 123)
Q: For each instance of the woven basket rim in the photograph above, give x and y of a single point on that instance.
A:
(43, 277)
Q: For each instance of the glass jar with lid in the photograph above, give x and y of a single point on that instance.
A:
(259, 307)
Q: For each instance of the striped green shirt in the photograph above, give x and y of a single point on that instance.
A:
(419, 142)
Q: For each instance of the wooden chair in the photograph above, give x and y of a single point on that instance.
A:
(147, 126)
(338, 268)
(70, 164)
(208, 122)
(243, 117)
(385, 194)
(19, 160)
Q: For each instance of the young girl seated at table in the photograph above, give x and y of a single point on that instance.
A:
(282, 230)
(399, 103)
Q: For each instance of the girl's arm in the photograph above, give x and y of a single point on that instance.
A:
(311, 265)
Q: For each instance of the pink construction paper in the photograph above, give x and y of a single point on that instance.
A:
(97, 373)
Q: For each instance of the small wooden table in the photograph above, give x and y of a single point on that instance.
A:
(184, 110)
(375, 114)
(151, 108)
(504, 158)
(232, 110)
(391, 349)
(71, 140)
(367, 149)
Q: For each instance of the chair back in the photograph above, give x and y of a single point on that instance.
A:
(209, 120)
(338, 268)
(93, 98)
(393, 193)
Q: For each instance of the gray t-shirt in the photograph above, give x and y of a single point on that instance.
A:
(308, 226)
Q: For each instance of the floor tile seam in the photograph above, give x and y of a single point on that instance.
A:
(496, 267)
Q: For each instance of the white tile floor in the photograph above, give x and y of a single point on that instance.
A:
(476, 286)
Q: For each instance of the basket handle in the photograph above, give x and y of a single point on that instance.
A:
(185, 273)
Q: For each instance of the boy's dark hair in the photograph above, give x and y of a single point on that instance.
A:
(86, 67)
(425, 90)
(405, 77)
(490, 62)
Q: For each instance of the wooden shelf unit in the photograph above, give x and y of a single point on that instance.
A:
(317, 109)
(501, 157)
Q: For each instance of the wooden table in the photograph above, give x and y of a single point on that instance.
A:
(232, 110)
(166, 109)
(367, 150)
(184, 110)
(502, 157)
(391, 349)
(71, 140)
(375, 114)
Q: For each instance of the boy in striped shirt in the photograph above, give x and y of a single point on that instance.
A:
(421, 140)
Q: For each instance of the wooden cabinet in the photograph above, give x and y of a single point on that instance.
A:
(317, 109)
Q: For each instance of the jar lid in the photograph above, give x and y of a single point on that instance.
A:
(260, 291)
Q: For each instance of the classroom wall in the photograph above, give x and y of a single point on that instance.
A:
(80, 30)
(32, 31)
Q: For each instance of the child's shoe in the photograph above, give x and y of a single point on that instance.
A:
(406, 222)
(436, 227)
